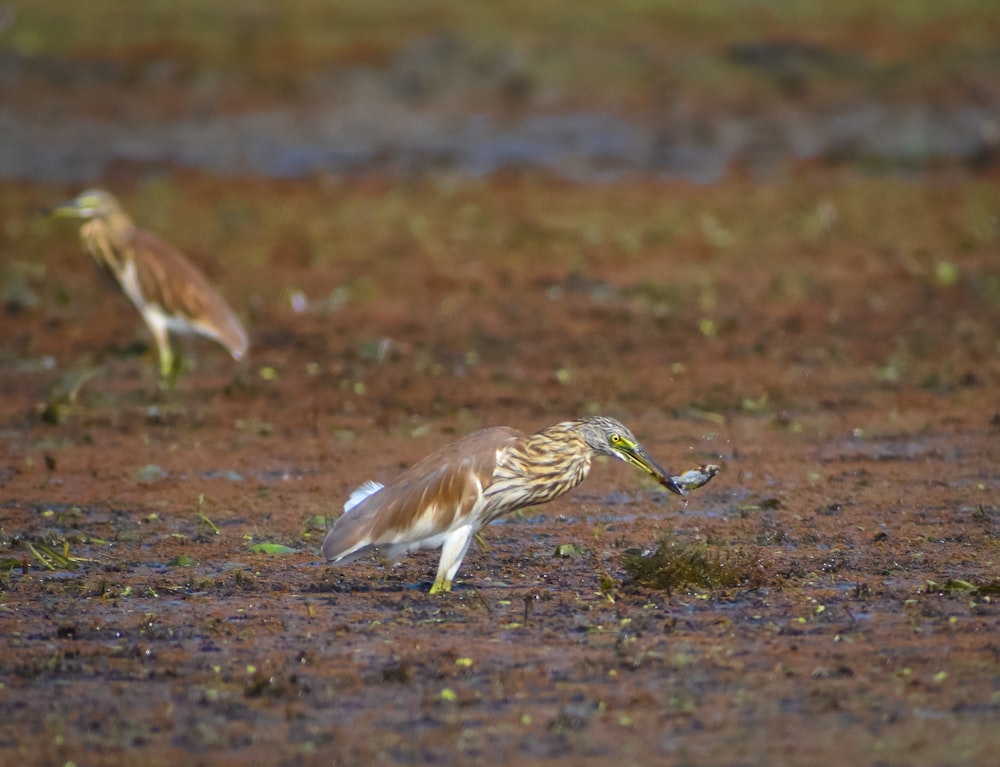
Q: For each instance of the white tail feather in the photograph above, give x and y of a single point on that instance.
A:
(360, 493)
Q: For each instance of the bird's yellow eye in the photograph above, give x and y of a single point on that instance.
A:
(615, 439)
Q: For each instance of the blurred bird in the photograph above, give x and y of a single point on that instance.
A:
(444, 499)
(166, 288)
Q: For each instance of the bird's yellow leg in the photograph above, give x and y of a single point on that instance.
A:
(481, 541)
(176, 365)
(170, 363)
(162, 339)
(452, 552)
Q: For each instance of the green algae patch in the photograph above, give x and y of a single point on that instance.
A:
(676, 566)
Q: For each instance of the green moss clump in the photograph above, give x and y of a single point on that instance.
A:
(679, 566)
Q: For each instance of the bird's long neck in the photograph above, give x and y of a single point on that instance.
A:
(539, 468)
(106, 238)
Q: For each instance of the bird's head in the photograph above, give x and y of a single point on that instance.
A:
(93, 203)
(606, 436)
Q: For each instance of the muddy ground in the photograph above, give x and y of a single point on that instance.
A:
(842, 375)
(829, 337)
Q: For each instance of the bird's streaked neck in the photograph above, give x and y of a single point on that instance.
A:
(556, 460)
(104, 236)
(116, 221)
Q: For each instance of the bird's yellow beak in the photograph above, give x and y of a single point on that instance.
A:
(71, 209)
(635, 454)
(87, 204)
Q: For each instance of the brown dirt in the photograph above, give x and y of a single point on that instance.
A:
(804, 335)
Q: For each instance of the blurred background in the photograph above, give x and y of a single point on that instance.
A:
(417, 187)
(669, 89)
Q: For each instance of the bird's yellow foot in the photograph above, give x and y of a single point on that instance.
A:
(440, 585)
(171, 366)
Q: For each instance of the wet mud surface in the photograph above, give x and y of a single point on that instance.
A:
(400, 224)
(842, 376)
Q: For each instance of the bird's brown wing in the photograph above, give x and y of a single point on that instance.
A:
(427, 499)
(168, 280)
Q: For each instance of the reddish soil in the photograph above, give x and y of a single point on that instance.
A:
(830, 340)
